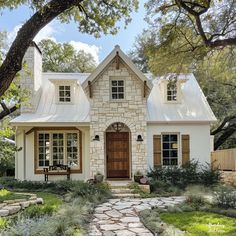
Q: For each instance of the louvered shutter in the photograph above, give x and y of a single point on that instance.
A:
(185, 149)
(157, 150)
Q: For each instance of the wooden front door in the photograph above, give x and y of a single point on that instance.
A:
(117, 154)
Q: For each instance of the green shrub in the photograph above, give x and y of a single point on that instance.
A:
(195, 201)
(225, 196)
(209, 176)
(182, 176)
(87, 191)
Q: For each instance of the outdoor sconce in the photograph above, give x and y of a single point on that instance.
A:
(96, 138)
(139, 138)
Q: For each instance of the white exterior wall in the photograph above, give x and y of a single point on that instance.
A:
(29, 158)
(200, 139)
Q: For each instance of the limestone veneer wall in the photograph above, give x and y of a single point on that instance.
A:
(131, 111)
(229, 177)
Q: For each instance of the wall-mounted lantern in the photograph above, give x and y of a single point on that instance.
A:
(96, 138)
(139, 138)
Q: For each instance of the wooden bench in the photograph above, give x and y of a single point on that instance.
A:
(56, 170)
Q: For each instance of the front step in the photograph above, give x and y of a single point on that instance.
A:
(126, 195)
(120, 189)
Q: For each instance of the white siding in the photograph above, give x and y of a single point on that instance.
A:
(200, 141)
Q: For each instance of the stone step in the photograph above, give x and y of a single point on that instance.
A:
(121, 190)
(126, 195)
(118, 184)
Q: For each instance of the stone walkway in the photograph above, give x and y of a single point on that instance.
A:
(120, 216)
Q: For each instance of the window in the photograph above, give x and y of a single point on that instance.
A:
(117, 89)
(172, 91)
(60, 147)
(64, 93)
(169, 149)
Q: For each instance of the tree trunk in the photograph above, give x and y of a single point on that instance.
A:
(13, 61)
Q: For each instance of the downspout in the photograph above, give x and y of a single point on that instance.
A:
(24, 158)
(16, 157)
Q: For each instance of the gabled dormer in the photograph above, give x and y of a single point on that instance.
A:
(65, 89)
(171, 86)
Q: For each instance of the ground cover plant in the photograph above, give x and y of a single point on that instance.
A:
(197, 223)
(66, 210)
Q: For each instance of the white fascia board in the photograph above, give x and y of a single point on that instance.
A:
(50, 124)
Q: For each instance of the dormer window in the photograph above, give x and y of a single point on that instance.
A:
(172, 91)
(64, 93)
(117, 89)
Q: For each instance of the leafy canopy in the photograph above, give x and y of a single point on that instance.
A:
(63, 57)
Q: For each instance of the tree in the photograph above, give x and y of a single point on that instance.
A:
(94, 17)
(212, 20)
(63, 57)
(215, 72)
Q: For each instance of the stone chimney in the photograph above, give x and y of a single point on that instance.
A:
(31, 78)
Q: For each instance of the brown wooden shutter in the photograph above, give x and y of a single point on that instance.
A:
(157, 150)
(185, 149)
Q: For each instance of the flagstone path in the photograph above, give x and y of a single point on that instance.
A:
(120, 216)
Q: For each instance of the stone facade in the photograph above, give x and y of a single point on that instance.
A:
(229, 177)
(104, 111)
(31, 77)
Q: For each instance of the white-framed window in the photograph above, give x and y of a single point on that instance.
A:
(58, 147)
(117, 89)
(170, 149)
(171, 94)
(64, 93)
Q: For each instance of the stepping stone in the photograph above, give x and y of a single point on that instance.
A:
(140, 230)
(109, 233)
(124, 233)
(130, 219)
(110, 227)
(4, 212)
(101, 216)
(113, 213)
(135, 225)
(12, 209)
(102, 209)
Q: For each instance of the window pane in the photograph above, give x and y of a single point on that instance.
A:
(114, 96)
(165, 145)
(114, 83)
(114, 89)
(121, 89)
(121, 95)
(173, 137)
(43, 149)
(58, 148)
(67, 88)
(120, 82)
(72, 149)
(165, 137)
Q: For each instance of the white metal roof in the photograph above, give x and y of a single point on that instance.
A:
(49, 111)
(193, 106)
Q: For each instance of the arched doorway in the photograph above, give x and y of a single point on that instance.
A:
(118, 151)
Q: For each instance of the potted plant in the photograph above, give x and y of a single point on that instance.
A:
(137, 176)
(98, 177)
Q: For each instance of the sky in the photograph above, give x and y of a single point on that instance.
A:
(11, 21)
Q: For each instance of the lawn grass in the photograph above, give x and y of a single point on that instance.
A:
(8, 195)
(201, 223)
(51, 203)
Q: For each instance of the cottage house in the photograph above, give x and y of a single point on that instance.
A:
(115, 121)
